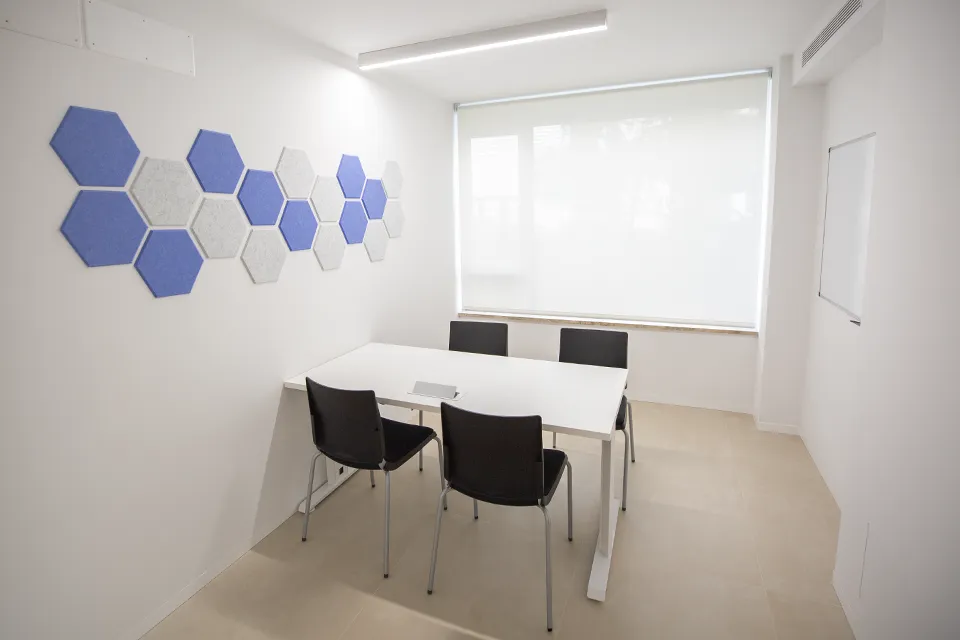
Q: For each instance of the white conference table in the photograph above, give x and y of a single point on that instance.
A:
(573, 399)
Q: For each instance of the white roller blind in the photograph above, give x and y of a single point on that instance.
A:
(644, 203)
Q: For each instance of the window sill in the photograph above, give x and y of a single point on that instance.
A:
(620, 324)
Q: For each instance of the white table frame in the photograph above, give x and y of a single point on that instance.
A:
(572, 399)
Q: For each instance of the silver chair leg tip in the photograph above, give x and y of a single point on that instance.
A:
(303, 539)
(429, 592)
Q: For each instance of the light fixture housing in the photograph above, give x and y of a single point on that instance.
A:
(578, 24)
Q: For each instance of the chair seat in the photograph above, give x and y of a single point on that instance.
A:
(553, 462)
(402, 440)
(622, 414)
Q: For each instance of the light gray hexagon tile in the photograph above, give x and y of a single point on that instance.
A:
(220, 227)
(327, 199)
(393, 218)
(392, 179)
(295, 173)
(329, 246)
(166, 192)
(264, 255)
(375, 240)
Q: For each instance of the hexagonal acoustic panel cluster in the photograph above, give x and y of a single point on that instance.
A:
(290, 209)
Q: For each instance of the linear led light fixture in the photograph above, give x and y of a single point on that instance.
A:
(483, 40)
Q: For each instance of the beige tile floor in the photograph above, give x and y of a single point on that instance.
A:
(729, 533)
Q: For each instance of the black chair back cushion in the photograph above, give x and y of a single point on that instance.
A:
(492, 458)
(594, 347)
(346, 425)
(489, 338)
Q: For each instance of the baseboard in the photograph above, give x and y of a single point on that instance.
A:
(168, 607)
(775, 427)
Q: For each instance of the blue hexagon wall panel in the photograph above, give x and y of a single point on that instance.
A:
(353, 222)
(104, 228)
(95, 147)
(351, 177)
(260, 197)
(298, 225)
(216, 162)
(374, 199)
(169, 262)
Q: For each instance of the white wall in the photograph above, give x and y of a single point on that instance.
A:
(141, 449)
(781, 361)
(714, 371)
(852, 109)
(881, 409)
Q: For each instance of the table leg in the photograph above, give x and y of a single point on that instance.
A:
(609, 510)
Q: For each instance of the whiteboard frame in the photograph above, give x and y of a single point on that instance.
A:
(823, 237)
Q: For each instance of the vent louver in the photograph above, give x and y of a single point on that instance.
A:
(847, 12)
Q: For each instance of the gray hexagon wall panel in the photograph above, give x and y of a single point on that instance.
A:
(295, 173)
(220, 227)
(392, 179)
(393, 218)
(329, 246)
(166, 192)
(375, 240)
(264, 255)
(327, 199)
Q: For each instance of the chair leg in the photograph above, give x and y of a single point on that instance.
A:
(633, 452)
(546, 528)
(626, 468)
(373, 480)
(421, 450)
(476, 510)
(569, 501)
(436, 538)
(440, 451)
(308, 499)
(554, 439)
(386, 528)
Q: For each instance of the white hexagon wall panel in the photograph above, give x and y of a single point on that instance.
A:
(264, 255)
(166, 192)
(375, 240)
(393, 218)
(295, 173)
(327, 199)
(392, 179)
(329, 246)
(220, 227)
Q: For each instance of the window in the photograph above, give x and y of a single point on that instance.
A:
(643, 203)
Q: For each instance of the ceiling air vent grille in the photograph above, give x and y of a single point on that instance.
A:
(832, 27)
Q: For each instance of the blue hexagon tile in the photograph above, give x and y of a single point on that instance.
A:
(169, 262)
(351, 177)
(353, 222)
(260, 197)
(104, 228)
(95, 147)
(374, 199)
(216, 162)
(298, 225)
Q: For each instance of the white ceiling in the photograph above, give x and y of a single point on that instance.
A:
(646, 39)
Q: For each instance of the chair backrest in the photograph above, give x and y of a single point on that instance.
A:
(493, 458)
(489, 338)
(594, 347)
(346, 425)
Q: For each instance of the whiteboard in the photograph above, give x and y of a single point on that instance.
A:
(846, 223)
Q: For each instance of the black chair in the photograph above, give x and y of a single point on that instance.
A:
(602, 349)
(488, 338)
(348, 429)
(502, 461)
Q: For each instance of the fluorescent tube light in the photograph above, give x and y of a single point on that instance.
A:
(483, 40)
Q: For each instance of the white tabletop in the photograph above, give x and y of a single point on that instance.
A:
(570, 398)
